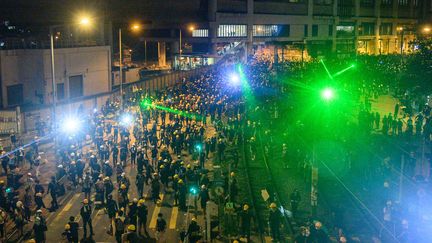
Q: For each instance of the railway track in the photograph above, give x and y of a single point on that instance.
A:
(261, 183)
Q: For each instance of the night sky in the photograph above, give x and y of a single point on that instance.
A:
(42, 12)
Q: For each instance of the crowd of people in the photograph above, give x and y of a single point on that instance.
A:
(387, 151)
(164, 138)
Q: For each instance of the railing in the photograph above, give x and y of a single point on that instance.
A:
(30, 115)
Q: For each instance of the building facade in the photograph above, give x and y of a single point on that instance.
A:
(26, 80)
(318, 27)
(341, 26)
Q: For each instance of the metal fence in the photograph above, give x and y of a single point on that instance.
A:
(30, 117)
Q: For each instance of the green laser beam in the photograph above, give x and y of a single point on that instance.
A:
(247, 91)
(146, 103)
(342, 71)
(325, 67)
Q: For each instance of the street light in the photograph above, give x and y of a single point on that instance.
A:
(426, 30)
(135, 28)
(191, 28)
(83, 21)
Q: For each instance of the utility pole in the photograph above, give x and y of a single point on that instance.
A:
(120, 69)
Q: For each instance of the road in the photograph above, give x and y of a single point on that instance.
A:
(177, 221)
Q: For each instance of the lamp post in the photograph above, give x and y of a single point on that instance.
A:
(120, 69)
(83, 21)
(134, 28)
(191, 28)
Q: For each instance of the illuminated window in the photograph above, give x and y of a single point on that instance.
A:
(265, 30)
(232, 30)
(200, 33)
(345, 30)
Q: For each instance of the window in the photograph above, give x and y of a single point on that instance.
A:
(305, 30)
(386, 2)
(15, 94)
(415, 3)
(367, 29)
(345, 30)
(330, 30)
(367, 3)
(284, 30)
(265, 30)
(60, 91)
(314, 30)
(323, 2)
(200, 33)
(386, 29)
(231, 30)
(76, 86)
(403, 2)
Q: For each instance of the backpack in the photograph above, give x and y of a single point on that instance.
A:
(160, 225)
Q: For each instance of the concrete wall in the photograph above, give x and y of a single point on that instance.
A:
(129, 76)
(32, 69)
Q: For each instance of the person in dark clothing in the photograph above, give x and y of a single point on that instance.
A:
(317, 233)
(131, 235)
(245, 222)
(160, 228)
(52, 190)
(155, 189)
(112, 208)
(193, 232)
(139, 181)
(182, 195)
(304, 236)
(295, 200)
(74, 226)
(275, 222)
(142, 217)
(67, 234)
(86, 212)
(39, 227)
(204, 196)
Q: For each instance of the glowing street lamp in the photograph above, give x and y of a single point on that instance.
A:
(426, 30)
(136, 27)
(83, 21)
